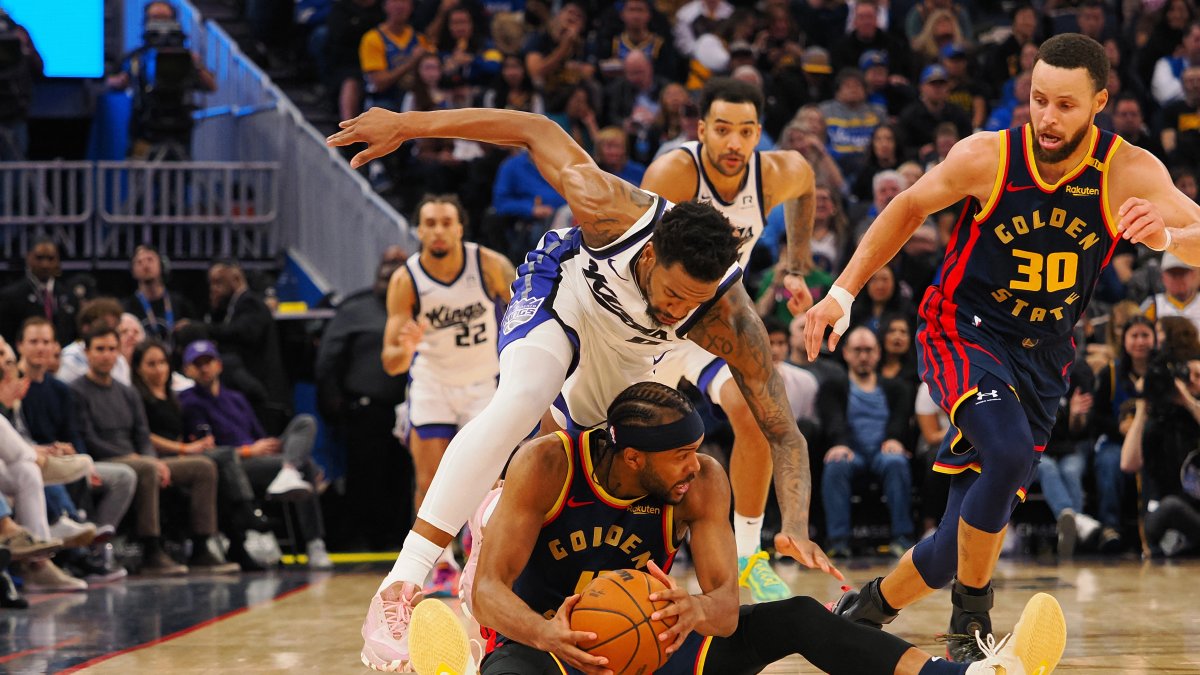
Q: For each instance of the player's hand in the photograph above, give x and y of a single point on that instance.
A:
(558, 639)
(807, 553)
(801, 298)
(824, 314)
(1141, 223)
(687, 610)
(382, 131)
(411, 335)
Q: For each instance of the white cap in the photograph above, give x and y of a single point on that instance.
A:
(1170, 261)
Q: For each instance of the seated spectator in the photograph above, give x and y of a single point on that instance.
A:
(631, 98)
(965, 90)
(522, 194)
(800, 384)
(243, 327)
(807, 138)
(1130, 124)
(932, 424)
(697, 18)
(467, 54)
(883, 153)
(1060, 470)
(576, 113)
(48, 414)
(920, 119)
(915, 20)
(940, 30)
(557, 57)
(39, 293)
(867, 433)
(677, 123)
(899, 351)
(1180, 282)
(164, 419)
(945, 136)
(388, 54)
(131, 333)
(851, 121)
(884, 188)
(273, 464)
(612, 155)
(884, 298)
(826, 368)
(95, 314)
(24, 471)
(892, 93)
(1161, 438)
(1003, 61)
(865, 33)
(114, 427)
(512, 88)
(636, 36)
(1167, 84)
(158, 308)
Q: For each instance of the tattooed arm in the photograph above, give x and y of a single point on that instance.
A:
(732, 330)
(788, 178)
(604, 206)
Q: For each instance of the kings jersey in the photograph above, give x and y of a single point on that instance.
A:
(1023, 267)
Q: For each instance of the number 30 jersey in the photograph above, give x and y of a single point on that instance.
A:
(1025, 266)
(459, 347)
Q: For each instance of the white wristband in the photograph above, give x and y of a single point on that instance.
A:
(1170, 239)
(844, 300)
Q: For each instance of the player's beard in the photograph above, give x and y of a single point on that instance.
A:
(439, 254)
(1056, 156)
(719, 165)
(658, 489)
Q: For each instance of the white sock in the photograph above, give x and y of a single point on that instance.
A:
(747, 532)
(417, 557)
(447, 557)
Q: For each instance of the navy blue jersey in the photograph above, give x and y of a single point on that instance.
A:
(589, 531)
(1024, 267)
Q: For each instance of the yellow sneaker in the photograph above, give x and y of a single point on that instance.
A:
(1034, 647)
(756, 573)
(437, 643)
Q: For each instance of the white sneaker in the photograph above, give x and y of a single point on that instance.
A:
(437, 642)
(318, 557)
(73, 534)
(289, 485)
(385, 631)
(1034, 647)
(1086, 526)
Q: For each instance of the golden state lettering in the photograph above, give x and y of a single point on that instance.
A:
(581, 540)
(1019, 226)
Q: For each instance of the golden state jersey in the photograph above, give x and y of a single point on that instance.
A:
(1024, 267)
(589, 531)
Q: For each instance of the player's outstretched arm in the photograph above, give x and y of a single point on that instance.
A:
(403, 331)
(531, 489)
(705, 509)
(1149, 208)
(604, 206)
(732, 330)
(970, 170)
(498, 273)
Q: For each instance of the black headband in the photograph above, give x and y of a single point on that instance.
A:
(671, 436)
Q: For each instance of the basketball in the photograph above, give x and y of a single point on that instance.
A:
(616, 607)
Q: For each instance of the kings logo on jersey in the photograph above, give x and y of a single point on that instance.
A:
(520, 311)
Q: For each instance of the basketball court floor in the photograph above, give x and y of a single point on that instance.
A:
(1123, 617)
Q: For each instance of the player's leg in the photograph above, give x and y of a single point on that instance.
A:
(772, 631)
(750, 471)
(513, 658)
(532, 372)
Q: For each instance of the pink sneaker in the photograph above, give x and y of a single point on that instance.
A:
(466, 581)
(385, 632)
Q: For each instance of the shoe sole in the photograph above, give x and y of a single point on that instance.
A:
(1067, 536)
(1041, 636)
(437, 642)
(368, 659)
(20, 555)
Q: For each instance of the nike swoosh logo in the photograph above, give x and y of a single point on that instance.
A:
(660, 357)
(1017, 188)
(614, 269)
(574, 504)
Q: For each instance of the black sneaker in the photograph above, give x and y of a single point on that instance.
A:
(208, 561)
(864, 606)
(971, 616)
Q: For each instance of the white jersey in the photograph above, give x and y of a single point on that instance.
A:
(459, 347)
(592, 294)
(746, 211)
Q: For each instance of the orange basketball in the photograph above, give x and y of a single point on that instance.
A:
(616, 607)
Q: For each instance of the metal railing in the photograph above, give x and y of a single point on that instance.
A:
(100, 212)
(327, 213)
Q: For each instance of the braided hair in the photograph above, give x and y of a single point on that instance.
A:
(644, 404)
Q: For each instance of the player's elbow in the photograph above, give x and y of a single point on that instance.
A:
(483, 601)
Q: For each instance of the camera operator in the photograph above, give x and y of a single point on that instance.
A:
(163, 73)
(1165, 431)
(20, 65)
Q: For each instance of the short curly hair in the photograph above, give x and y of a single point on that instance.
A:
(699, 237)
(1074, 50)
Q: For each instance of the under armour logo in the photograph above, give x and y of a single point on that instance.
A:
(987, 396)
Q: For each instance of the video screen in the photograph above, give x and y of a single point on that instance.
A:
(70, 48)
